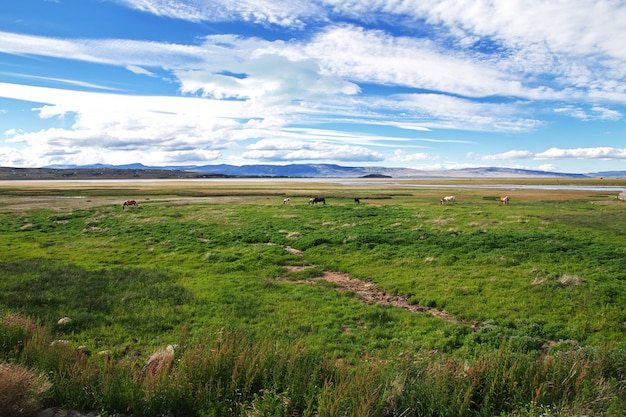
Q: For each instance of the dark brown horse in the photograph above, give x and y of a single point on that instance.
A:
(129, 203)
(316, 200)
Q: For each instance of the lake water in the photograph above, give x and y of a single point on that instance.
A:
(508, 186)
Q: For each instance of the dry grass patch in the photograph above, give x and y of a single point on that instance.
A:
(567, 280)
(441, 222)
(160, 360)
(22, 390)
(17, 321)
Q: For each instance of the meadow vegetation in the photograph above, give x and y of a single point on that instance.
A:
(233, 280)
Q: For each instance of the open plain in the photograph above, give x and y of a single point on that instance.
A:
(67, 194)
(392, 305)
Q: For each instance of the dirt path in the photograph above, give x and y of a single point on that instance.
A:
(370, 293)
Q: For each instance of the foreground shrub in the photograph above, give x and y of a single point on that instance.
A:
(21, 390)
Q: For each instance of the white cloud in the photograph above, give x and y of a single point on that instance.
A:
(256, 11)
(57, 80)
(108, 125)
(548, 167)
(12, 132)
(593, 113)
(583, 153)
(400, 156)
(510, 155)
(119, 52)
(281, 150)
(557, 153)
(573, 111)
(244, 69)
(140, 71)
(574, 26)
(377, 57)
(196, 155)
(442, 111)
(579, 27)
(152, 129)
(331, 63)
(574, 42)
(604, 113)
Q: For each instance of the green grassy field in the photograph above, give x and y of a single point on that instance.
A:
(544, 277)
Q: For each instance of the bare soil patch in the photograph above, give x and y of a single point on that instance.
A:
(370, 293)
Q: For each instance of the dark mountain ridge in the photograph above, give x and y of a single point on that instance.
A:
(129, 171)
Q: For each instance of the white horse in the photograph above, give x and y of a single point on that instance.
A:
(287, 201)
(505, 200)
(447, 199)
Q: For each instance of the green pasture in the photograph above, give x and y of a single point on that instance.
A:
(535, 271)
(522, 308)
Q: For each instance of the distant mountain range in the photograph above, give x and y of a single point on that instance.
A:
(280, 171)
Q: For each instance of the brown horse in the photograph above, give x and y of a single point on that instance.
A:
(129, 203)
(505, 200)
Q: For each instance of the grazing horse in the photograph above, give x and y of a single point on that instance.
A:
(447, 199)
(357, 201)
(129, 203)
(505, 200)
(287, 201)
(316, 200)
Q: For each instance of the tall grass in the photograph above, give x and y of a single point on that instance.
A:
(230, 373)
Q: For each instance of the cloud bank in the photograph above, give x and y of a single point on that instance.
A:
(480, 67)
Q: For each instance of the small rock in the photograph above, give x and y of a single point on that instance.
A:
(48, 412)
(63, 321)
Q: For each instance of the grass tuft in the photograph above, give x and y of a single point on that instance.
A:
(22, 390)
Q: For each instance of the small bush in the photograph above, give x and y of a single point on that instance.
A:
(21, 390)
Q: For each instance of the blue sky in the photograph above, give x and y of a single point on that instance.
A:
(424, 84)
